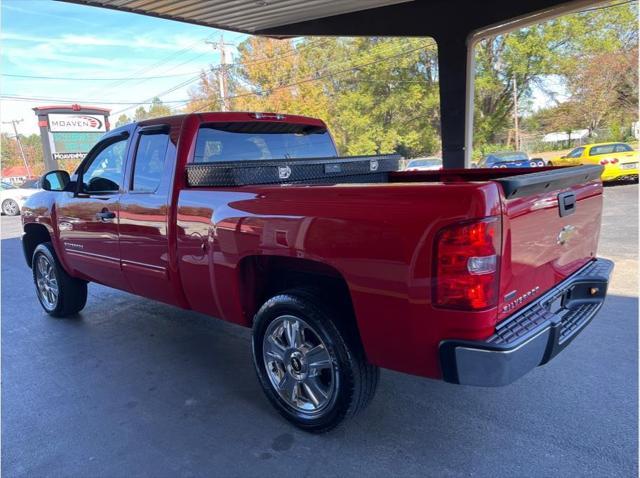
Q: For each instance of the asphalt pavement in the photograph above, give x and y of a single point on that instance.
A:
(136, 388)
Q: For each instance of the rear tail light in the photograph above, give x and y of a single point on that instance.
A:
(604, 161)
(614, 161)
(467, 264)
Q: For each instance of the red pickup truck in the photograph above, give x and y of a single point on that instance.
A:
(339, 265)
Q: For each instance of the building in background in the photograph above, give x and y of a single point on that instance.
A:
(69, 132)
(578, 136)
(14, 174)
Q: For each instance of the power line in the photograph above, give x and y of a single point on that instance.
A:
(319, 76)
(316, 77)
(161, 62)
(75, 100)
(291, 52)
(139, 81)
(158, 95)
(98, 79)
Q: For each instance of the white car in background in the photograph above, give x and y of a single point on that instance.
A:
(12, 198)
(424, 164)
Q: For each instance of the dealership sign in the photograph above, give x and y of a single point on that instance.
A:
(69, 132)
(72, 156)
(76, 123)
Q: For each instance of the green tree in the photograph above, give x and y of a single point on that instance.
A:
(9, 150)
(376, 94)
(156, 110)
(140, 114)
(565, 47)
(122, 120)
(380, 95)
(32, 147)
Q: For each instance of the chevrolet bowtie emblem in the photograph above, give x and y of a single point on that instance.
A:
(566, 233)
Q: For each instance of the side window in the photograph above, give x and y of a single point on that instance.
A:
(576, 153)
(149, 162)
(623, 148)
(604, 149)
(104, 173)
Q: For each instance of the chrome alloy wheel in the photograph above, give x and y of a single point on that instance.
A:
(10, 207)
(46, 282)
(299, 365)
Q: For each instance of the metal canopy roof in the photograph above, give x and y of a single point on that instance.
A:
(248, 16)
(435, 18)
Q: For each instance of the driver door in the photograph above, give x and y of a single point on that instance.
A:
(88, 218)
(575, 157)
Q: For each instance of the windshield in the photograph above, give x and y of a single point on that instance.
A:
(504, 157)
(262, 141)
(7, 186)
(576, 153)
(416, 163)
(31, 184)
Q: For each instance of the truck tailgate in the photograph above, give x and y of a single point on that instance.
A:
(551, 223)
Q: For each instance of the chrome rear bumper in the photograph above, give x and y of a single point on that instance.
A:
(533, 335)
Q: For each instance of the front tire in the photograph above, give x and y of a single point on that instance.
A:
(311, 366)
(59, 294)
(10, 207)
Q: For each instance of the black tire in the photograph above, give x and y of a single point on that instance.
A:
(355, 380)
(10, 207)
(549, 163)
(72, 293)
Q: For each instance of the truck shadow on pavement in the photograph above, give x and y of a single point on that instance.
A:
(171, 384)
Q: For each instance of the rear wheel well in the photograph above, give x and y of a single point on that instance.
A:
(34, 235)
(262, 277)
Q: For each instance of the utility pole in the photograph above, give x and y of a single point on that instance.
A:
(15, 130)
(515, 114)
(222, 71)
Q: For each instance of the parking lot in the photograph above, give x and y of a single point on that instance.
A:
(137, 388)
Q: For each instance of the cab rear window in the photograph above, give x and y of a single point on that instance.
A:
(254, 141)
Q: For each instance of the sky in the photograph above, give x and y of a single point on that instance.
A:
(82, 44)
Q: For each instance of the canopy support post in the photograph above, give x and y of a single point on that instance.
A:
(456, 101)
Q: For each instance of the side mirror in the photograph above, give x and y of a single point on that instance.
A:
(55, 180)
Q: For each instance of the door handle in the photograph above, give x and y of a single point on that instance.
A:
(105, 215)
(567, 203)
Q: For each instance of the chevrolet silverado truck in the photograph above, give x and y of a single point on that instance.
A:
(340, 265)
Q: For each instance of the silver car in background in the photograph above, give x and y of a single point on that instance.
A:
(424, 164)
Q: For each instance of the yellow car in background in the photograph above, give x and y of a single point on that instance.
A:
(620, 161)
